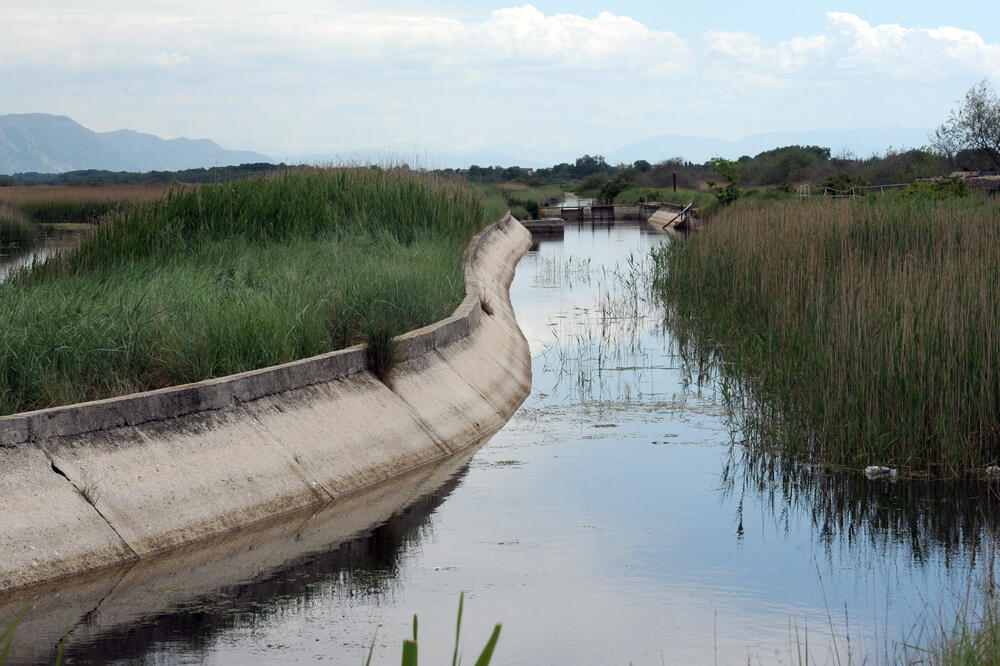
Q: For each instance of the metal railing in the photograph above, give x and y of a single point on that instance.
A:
(853, 192)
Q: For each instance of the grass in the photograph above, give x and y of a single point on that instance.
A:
(79, 204)
(525, 202)
(851, 332)
(410, 645)
(16, 230)
(705, 202)
(969, 636)
(973, 639)
(634, 195)
(228, 278)
(544, 195)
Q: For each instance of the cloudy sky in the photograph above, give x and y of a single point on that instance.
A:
(552, 79)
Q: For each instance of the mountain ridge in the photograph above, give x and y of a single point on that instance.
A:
(48, 143)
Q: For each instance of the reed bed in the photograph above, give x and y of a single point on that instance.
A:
(79, 203)
(228, 278)
(16, 230)
(851, 332)
(973, 639)
(543, 195)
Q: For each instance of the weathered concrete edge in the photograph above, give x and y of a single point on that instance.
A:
(665, 218)
(221, 392)
(84, 502)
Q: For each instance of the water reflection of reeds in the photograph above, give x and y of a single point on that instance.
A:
(954, 521)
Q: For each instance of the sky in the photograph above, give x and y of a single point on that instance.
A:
(546, 81)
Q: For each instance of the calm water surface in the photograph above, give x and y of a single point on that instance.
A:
(608, 523)
(12, 259)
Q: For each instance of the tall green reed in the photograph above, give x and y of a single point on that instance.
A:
(16, 230)
(854, 332)
(233, 277)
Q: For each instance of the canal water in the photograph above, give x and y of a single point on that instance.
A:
(610, 522)
(12, 259)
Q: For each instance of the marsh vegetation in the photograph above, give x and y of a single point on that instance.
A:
(851, 332)
(226, 278)
(16, 230)
(52, 204)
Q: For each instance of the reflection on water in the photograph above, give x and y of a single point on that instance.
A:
(188, 598)
(610, 522)
(12, 259)
(365, 566)
(920, 519)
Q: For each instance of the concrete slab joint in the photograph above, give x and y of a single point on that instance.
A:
(107, 482)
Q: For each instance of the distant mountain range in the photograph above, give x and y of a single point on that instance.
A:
(44, 143)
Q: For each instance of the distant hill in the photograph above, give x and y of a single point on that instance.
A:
(862, 142)
(44, 143)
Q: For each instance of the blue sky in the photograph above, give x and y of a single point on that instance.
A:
(767, 18)
(545, 81)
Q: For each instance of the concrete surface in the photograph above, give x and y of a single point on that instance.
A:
(112, 481)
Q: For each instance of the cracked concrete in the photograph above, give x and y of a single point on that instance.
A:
(109, 482)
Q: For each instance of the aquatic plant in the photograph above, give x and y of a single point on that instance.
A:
(853, 332)
(7, 643)
(47, 204)
(16, 230)
(382, 352)
(226, 278)
(410, 646)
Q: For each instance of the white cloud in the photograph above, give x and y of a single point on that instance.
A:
(350, 75)
(849, 44)
(164, 59)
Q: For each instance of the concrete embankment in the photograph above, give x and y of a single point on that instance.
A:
(315, 542)
(103, 483)
(671, 217)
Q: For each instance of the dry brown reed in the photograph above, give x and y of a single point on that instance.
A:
(25, 194)
(80, 203)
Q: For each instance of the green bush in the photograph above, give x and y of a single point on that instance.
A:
(945, 188)
(611, 189)
(843, 181)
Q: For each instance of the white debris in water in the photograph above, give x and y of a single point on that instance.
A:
(876, 472)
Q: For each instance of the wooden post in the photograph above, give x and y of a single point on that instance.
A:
(675, 181)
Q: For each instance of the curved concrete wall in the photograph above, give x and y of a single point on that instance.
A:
(106, 482)
(667, 218)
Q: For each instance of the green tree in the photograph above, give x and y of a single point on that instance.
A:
(613, 188)
(974, 126)
(729, 170)
(589, 164)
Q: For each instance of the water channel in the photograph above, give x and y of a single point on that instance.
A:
(610, 522)
(55, 238)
